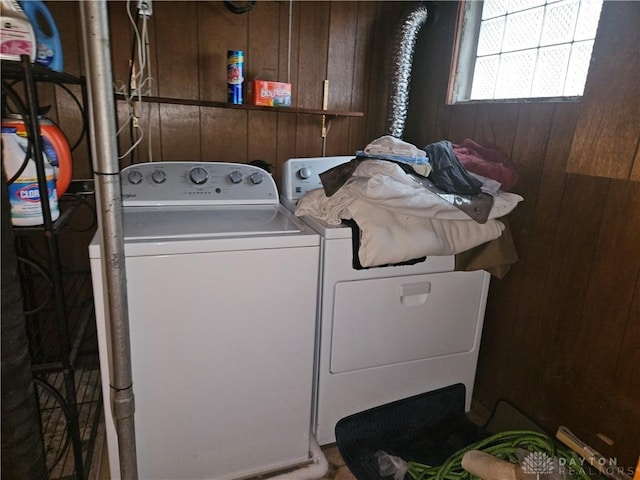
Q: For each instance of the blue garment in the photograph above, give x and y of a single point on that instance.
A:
(413, 159)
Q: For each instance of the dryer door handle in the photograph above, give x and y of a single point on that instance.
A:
(414, 293)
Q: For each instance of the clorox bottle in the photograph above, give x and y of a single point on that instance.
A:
(24, 194)
(48, 44)
(55, 146)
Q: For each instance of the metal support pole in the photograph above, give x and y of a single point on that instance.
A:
(108, 190)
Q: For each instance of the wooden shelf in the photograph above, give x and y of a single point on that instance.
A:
(207, 103)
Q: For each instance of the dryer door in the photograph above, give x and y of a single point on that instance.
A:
(385, 321)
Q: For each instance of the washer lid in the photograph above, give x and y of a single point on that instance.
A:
(163, 223)
(151, 231)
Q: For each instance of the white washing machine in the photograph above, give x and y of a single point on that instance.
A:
(384, 333)
(221, 285)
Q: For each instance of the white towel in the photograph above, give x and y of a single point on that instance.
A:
(386, 185)
(328, 209)
(397, 197)
(394, 146)
(399, 219)
(387, 238)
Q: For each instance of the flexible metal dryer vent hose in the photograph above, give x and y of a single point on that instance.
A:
(405, 42)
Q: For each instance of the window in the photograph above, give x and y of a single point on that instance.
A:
(515, 49)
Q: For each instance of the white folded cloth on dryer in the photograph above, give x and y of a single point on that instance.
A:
(414, 199)
(392, 148)
(387, 186)
(388, 238)
(328, 209)
(399, 219)
(392, 145)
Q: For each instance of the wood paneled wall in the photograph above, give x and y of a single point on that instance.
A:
(562, 330)
(345, 43)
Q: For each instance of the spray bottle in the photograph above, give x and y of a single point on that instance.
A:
(24, 194)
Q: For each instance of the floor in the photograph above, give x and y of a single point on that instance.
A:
(337, 468)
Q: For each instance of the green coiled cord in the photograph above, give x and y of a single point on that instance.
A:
(503, 445)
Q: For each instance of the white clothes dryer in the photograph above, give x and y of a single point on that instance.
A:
(221, 285)
(384, 333)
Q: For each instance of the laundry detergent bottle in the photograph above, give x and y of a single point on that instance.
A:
(48, 44)
(16, 33)
(55, 146)
(24, 194)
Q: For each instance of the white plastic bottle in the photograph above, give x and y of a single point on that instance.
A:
(24, 194)
(16, 32)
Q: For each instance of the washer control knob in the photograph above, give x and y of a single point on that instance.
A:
(256, 178)
(135, 177)
(235, 176)
(159, 176)
(304, 173)
(198, 175)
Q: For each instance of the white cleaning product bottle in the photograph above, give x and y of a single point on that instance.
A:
(24, 194)
(16, 33)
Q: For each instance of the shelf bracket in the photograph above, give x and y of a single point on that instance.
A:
(325, 104)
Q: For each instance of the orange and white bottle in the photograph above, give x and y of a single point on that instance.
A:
(24, 193)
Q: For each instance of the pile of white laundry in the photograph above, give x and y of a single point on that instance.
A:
(398, 219)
